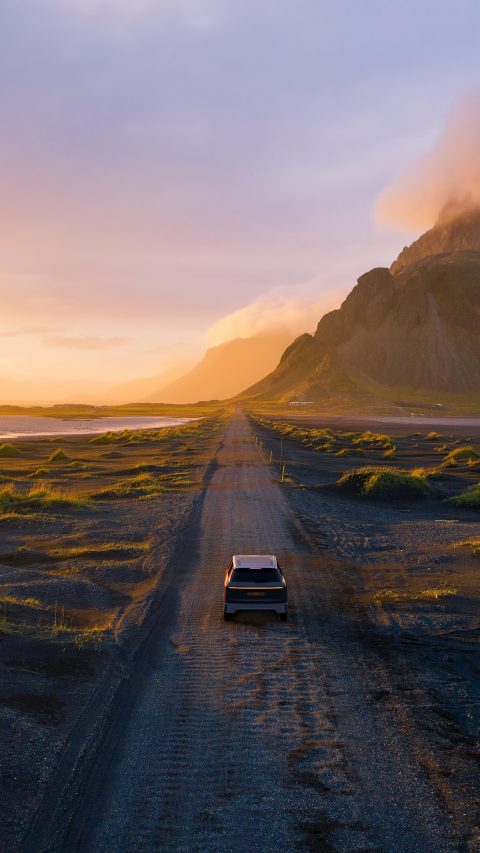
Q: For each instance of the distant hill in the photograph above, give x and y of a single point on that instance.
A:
(414, 326)
(138, 390)
(225, 370)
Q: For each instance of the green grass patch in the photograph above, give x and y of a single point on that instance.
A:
(31, 602)
(58, 456)
(393, 596)
(92, 551)
(38, 498)
(106, 438)
(384, 483)
(469, 499)
(465, 455)
(326, 440)
(62, 630)
(472, 544)
(143, 486)
(374, 440)
(40, 473)
(9, 451)
(103, 550)
(351, 451)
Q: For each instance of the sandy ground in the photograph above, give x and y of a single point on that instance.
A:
(345, 729)
(63, 658)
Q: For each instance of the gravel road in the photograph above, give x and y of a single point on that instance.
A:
(255, 735)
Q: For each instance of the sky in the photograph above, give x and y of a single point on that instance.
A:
(177, 172)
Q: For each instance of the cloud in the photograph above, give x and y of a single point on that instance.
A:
(29, 330)
(85, 342)
(446, 181)
(282, 310)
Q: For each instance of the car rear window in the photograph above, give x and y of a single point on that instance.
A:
(256, 575)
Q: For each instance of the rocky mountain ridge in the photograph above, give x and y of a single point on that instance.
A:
(414, 325)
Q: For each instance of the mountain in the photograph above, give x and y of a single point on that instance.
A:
(225, 370)
(449, 234)
(137, 390)
(413, 326)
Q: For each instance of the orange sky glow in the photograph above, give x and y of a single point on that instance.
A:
(176, 174)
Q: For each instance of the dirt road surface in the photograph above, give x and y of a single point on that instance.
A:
(255, 735)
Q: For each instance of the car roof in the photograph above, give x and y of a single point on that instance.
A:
(254, 561)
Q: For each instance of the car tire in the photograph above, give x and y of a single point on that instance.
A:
(227, 616)
(283, 617)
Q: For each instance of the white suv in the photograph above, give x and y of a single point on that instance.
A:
(255, 582)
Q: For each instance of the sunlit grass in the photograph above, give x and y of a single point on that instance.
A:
(472, 544)
(384, 483)
(326, 440)
(38, 497)
(58, 456)
(129, 436)
(92, 636)
(9, 450)
(106, 438)
(390, 452)
(103, 549)
(39, 473)
(143, 485)
(351, 451)
(469, 499)
(375, 440)
(396, 597)
(119, 549)
(465, 455)
(29, 601)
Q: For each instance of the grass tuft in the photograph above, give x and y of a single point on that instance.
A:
(58, 456)
(143, 485)
(390, 452)
(106, 438)
(473, 544)
(31, 602)
(351, 451)
(40, 473)
(464, 454)
(384, 483)
(38, 497)
(470, 499)
(9, 450)
(395, 597)
(101, 550)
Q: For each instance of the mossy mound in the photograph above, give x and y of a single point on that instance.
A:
(461, 454)
(470, 499)
(384, 483)
(58, 456)
(106, 438)
(9, 450)
(40, 473)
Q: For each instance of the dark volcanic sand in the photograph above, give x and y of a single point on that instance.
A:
(352, 728)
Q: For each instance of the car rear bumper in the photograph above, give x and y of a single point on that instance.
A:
(237, 606)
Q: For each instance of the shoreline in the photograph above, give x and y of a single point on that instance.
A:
(103, 427)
